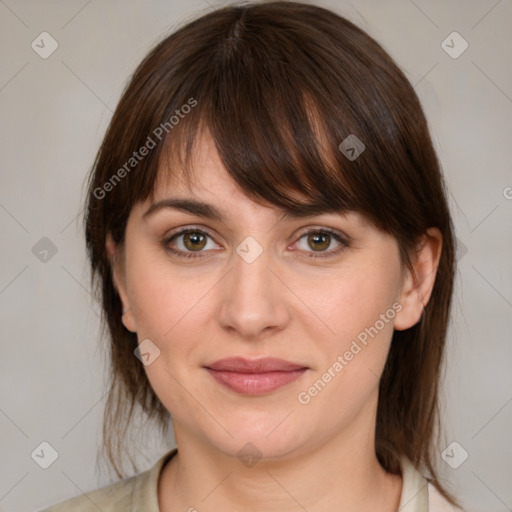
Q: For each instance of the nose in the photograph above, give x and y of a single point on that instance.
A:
(253, 300)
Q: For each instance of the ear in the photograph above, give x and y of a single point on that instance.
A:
(114, 254)
(417, 286)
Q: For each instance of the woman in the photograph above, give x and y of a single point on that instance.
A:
(268, 226)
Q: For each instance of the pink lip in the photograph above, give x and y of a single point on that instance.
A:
(254, 377)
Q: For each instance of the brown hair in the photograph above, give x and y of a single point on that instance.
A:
(279, 86)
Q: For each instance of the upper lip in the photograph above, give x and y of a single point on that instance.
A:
(263, 365)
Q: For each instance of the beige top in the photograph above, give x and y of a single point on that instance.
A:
(139, 493)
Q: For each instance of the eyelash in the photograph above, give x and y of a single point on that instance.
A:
(322, 254)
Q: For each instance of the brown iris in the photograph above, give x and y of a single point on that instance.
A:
(193, 240)
(318, 237)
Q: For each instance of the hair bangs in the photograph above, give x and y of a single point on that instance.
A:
(278, 152)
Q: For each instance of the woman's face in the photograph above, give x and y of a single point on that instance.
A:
(253, 288)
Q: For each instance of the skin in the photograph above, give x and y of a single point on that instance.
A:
(317, 456)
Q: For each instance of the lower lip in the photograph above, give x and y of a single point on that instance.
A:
(255, 383)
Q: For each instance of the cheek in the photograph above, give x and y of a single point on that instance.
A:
(165, 297)
(168, 306)
(357, 307)
(352, 299)
(351, 361)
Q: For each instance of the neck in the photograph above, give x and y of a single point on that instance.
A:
(342, 473)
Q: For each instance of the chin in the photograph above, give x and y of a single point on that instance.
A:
(268, 439)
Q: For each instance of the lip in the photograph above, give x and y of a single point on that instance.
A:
(254, 376)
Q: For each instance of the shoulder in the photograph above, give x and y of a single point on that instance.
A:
(419, 494)
(438, 503)
(112, 498)
(139, 492)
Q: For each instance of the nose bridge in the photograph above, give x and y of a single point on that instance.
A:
(251, 301)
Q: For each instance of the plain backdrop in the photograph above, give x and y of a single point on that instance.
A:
(54, 113)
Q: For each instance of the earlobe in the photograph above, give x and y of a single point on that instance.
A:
(119, 281)
(127, 319)
(418, 283)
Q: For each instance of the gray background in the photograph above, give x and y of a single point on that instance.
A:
(54, 113)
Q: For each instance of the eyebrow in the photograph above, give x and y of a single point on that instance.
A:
(186, 205)
(210, 211)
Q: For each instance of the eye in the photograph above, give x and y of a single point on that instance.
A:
(188, 241)
(320, 239)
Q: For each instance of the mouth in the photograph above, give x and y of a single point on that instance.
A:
(255, 377)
